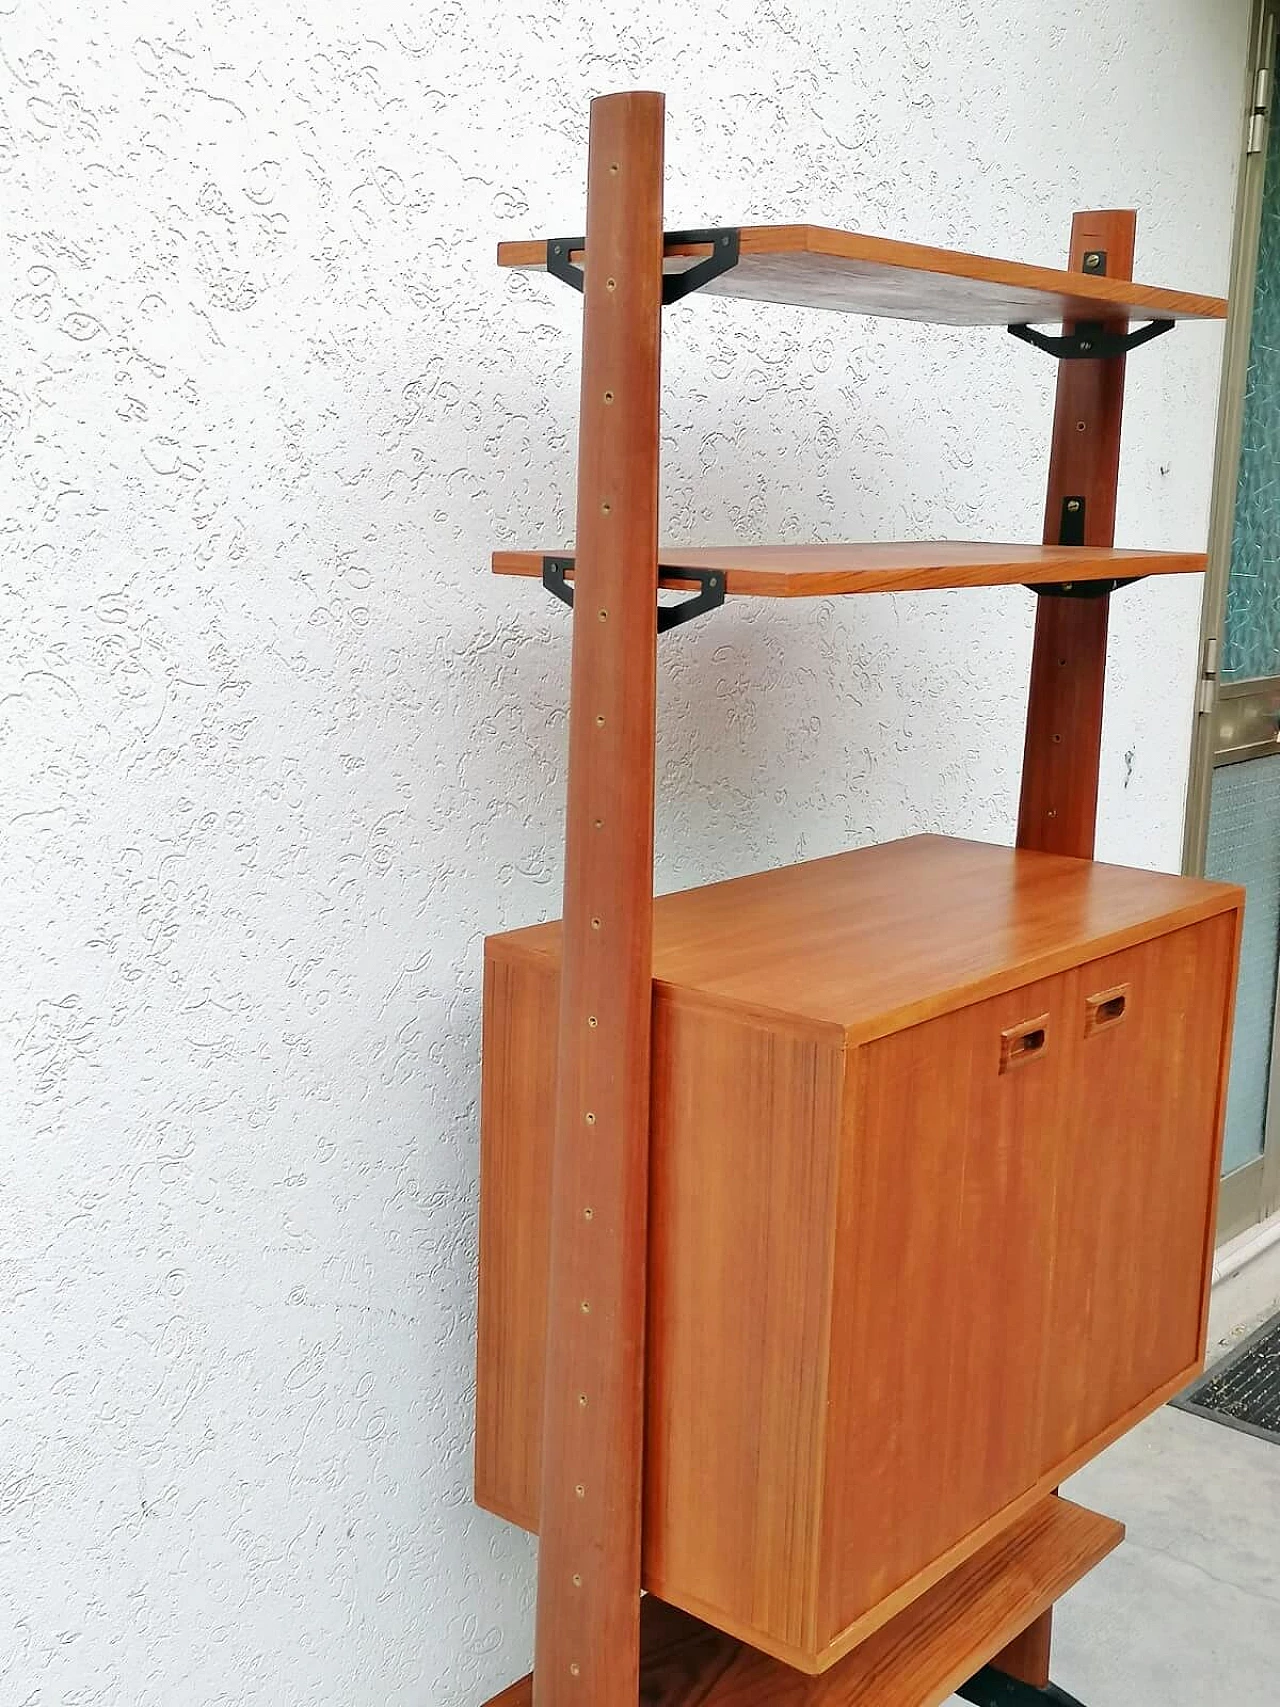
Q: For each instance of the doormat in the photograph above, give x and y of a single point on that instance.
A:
(1243, 1391)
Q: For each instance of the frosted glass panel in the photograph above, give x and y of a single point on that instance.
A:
(1252, 643)
(1244, 847)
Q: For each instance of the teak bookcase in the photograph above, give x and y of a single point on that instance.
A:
(831, 1216)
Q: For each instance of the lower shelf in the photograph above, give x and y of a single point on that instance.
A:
(918, 1659)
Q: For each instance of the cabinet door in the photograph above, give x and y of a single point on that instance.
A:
(1135, 1183)
(940, 1289)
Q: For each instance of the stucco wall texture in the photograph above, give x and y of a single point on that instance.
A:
(277, 750)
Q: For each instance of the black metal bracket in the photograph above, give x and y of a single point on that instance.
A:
(1071, 532)
(723, 257)
(1082, 589)
(555, 579)
(992, 1688)
(1089, 340)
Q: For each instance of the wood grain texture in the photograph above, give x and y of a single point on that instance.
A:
(1027, 1657)
(814, 266)
(939, 1297)
(915, 1661)
(587, 1636)
(860, 941)
(865, 1353)
(824, 571)
(1128, 1259)
(741, 1250)
(517, 1127)
(1058, 808)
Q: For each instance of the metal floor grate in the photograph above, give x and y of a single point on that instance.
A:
(1243, 1391)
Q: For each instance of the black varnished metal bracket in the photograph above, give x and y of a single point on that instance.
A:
(1090, 340)
(1082, 589)
(992, 1688)
(723, 257)
(555, 580)
(1071, 532)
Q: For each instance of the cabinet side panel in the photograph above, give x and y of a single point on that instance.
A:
(745, 1137)
(940, 1296)
(517, 1106)
(1136, 1181)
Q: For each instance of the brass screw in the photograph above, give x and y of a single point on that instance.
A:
(1073, 504)
(608, 397)
(1092, 261)
(588, 1214)
(591, 1119)
(595, 924)
(585, 1307)
(592, 1021)
(580, 1491)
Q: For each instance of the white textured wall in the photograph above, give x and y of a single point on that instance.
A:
(277, 751)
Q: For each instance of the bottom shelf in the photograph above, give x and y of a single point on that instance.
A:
(918, 1659)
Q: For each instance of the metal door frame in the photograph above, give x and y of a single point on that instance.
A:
(1252, 1192)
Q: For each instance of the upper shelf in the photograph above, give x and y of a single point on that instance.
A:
(815, 267)
(816, 571)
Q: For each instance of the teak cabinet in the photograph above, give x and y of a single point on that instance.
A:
(830, 1216)
(935, 1129)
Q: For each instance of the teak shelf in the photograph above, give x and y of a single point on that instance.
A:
(821, 571)
(823, 1212)
(810, 266)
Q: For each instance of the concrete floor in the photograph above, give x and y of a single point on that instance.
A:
(1186, 1612)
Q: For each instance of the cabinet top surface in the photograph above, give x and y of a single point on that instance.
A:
(817, 267)
(884, 937)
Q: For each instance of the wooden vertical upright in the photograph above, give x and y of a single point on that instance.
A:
(1058, 810)
(1059, 805)
(587, 1643)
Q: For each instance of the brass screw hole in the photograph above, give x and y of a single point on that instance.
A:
(591, 1119)
(608, 397)
(592, 1021)
(580, 1491)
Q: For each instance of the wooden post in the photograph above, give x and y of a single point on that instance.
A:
(587, 1643)
(1059, 805)
(1058, 811)
(1027, 1656)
